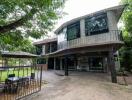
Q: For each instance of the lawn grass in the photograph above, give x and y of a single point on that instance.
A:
(18, 72)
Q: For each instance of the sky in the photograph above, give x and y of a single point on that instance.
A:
(77, 8)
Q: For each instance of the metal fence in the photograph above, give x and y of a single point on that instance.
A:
(19, 81)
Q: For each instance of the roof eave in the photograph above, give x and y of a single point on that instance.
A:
(104, 10)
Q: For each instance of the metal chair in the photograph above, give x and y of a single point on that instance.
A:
(11, 75)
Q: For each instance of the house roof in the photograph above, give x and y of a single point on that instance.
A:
(118, 10)
(45, 41)
(17, 54)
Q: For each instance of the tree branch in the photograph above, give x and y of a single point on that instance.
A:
(17, 23)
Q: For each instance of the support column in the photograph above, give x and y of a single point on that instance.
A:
(82, 28)
(112, 67)
(50, 48)
(47, 63)
(104, 65)
(66, 66)
(76, 63)
(54, 63)
(60, 63)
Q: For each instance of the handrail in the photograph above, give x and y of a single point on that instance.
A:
(12, 67)
(111, 36)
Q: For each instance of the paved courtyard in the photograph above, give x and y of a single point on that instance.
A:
(81, 86)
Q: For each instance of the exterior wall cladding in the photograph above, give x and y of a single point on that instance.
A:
(113, 31)
(98, 52)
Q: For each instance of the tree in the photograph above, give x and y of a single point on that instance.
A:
(13, 41)
(126, 50)
(126, 54)
(21, 19)
(127, 16)
(35, 17)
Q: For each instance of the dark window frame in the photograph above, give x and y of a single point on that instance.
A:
(97, 17)
(77, 25)
(47, 48)
(41, 61)
(53, 46)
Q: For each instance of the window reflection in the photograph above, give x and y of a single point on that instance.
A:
(96, 24)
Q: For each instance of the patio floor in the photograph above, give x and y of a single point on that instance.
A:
(81, 86)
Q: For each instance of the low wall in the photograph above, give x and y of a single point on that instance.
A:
(44, 66)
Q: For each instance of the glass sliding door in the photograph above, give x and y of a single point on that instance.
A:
(96, 64)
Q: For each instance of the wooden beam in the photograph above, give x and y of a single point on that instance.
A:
(17, 23)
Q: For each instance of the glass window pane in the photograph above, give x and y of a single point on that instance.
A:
(96, 24)
(73, 31)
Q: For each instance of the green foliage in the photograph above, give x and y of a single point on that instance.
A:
(37, 18)
(13, 41)
(127, 16)
(42, 15)
(18, 72)
(126, 58)
(126, 50)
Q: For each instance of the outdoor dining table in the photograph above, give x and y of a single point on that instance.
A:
(13, 84)
(14, 79)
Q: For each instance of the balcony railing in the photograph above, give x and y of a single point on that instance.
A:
(114, 36)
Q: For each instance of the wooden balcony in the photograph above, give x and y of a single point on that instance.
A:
(113, 37)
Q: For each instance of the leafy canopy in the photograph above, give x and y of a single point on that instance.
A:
(33, 17)
(21, 19)
(127, 16)
(126, 50)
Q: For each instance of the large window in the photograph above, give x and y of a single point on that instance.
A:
(41, 61)
(48, 48)
(62, 36)
(96, 24)
(53, 46)
(73, 31)
(38, 50)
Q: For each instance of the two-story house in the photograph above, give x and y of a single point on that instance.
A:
(87, 43)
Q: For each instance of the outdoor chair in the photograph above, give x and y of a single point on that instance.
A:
(24, 81)
(11, 87)
(11, 75)
(7, 87)
(32, 75)
(1, 87)
(32, 78)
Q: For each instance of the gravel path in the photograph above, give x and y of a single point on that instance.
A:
(82, 86)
